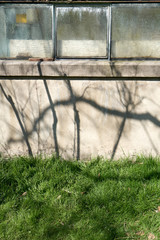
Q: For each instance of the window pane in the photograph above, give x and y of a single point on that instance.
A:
(26, 31)
(136, 31)
(81, 32)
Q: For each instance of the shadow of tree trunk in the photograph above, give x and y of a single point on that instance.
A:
(121, 128)
(54, 125)
(76, 116)
(10, 100)
(55, 119)
(129, 99)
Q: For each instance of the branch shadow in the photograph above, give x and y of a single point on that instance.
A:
(128, 99)
(55, 119)
(25, 135)
(76, 118)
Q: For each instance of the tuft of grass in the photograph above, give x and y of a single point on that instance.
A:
(102, 200)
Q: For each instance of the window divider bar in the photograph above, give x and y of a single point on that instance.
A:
(109, 29)
(54, 32)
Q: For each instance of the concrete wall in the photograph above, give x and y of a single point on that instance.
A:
(60, 111)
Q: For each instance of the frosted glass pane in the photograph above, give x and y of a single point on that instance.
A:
(136, 31)
(81, 31)
(25, 31)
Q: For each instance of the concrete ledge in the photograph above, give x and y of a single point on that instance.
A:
(80, 68)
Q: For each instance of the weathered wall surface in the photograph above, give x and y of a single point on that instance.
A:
(79, 119)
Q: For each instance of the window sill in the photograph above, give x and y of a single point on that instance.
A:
(80, 69)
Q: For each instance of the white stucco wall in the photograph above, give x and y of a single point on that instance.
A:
(94, 117)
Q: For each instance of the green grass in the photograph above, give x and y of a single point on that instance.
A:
(54, 200)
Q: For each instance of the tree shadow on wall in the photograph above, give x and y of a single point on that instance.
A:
(24, 132)
(128, 97)
(54, 114)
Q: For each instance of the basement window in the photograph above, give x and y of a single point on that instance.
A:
(81, 31)
(107, 31)
(25, 31)
(136, 31)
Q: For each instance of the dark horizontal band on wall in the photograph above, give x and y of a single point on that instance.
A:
(79, 69)
(79, 1)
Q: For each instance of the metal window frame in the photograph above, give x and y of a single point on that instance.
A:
(141, 4)
(54, 31)
(109, 32)
(107, 6)
(29, 5)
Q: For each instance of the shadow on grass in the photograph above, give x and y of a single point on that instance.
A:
(83, 200)
(96, 219)
(70, 230)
